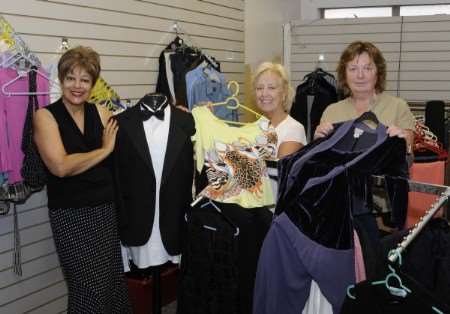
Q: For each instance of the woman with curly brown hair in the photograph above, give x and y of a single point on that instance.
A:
(362, 77)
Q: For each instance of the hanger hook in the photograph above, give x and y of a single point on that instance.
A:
(175, 27)
(395, 255)
(64, 44)
(236, 88)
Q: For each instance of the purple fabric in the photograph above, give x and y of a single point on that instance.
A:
(327, 182)
(289, 261)
(332, 141)
(12, 117)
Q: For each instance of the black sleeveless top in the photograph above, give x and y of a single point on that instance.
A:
(92, 187)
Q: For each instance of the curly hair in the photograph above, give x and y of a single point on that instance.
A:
(353, 50)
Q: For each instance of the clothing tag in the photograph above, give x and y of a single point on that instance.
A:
(357, 132)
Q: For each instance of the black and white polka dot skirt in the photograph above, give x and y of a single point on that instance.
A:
(88, 248)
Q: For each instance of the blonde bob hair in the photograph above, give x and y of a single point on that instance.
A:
(281, 72)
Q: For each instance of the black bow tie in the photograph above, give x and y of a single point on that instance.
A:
(147, 114)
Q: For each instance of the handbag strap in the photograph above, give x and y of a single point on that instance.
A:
(17, 249)
(33, 105)
(32, 97)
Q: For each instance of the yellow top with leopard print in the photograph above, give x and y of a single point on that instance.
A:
(234, 157)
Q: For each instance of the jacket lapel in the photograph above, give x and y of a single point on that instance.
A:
(134, 127)
(175, 142)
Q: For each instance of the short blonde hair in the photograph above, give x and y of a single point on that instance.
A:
(279, 70)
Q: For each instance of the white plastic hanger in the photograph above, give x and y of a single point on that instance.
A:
(23, 63)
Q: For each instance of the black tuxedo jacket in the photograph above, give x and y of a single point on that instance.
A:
(135, 180)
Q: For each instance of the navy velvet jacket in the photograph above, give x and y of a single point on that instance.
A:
(328, 182)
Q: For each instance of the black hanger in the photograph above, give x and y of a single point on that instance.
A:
(153, 101)
(177, 42)
(324, 73)
(318, 73)
(211, 61)
(314, 77)
(368, 116)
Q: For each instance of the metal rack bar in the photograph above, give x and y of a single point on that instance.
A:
(394, 254)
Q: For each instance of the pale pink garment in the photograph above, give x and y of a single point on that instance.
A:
(12, 117)
(418, 202)
(360, 269)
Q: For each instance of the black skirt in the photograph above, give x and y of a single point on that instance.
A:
(88, 248)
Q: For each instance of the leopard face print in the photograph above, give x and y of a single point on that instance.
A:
(247, 171)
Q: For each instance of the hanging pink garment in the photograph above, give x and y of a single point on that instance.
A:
(360, 269)
(419, 203)
(12, 117)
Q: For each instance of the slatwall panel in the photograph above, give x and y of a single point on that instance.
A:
(129, 35)
(417, 51)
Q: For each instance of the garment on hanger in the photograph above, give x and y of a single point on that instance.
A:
(55, 89)
(169, 74)
(218, 267)
(233, 153)
(209, 281)
(162, 84)
(377, 299)
(323, 187)
(427, 258)
(174, 63)
(288, 263)
(182, 61)
(312, 97)
(33, 171)
(12, 112)
(206, 84)
(233, 177)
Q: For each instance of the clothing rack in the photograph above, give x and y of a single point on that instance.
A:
(181, 32)
(393, 255)
(442, 190)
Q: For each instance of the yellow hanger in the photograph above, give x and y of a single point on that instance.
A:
(7, 33)
(234, 100)
(102, 91)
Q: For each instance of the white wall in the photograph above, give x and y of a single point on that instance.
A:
(263, 28)
(310, 8)
(264, 18)
(416, 51)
